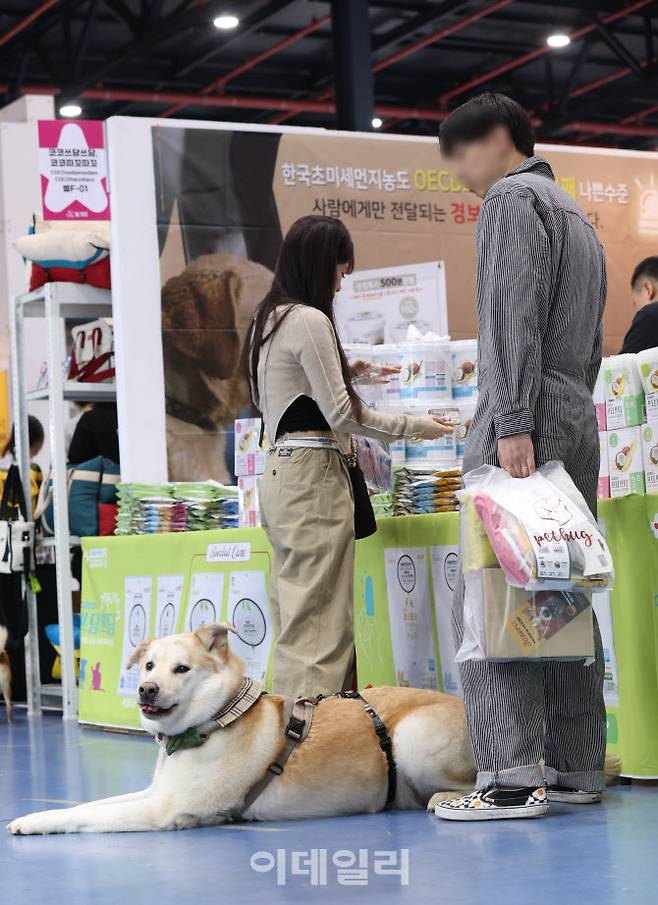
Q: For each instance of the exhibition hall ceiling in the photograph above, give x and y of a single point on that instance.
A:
(271, 61)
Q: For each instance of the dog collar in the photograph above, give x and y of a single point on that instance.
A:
(247, 695)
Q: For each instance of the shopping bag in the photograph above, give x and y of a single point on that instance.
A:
(16, 531)
(92, 355)
(539, 528)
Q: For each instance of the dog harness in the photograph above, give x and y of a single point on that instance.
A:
(299, 718)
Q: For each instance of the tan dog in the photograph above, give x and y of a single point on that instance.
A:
(5, 674)
(338, 769)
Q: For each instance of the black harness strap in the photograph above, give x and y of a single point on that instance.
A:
(385, 743)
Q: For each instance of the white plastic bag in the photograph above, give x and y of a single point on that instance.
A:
(539, 529)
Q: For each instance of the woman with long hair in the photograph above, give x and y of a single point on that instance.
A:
(302, 384)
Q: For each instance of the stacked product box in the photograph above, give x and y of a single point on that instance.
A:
(250, 460)
(626, 401)
(436, 376)
(648, 368)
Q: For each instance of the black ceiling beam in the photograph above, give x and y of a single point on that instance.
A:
(123, 13)
(247, 25)
(381, 44)
(615, 45)
(574, 73)
(615, 101)
(173, 26)
(648, 36)
(389, 41)
(83, 41)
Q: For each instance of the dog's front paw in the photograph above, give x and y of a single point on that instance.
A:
(32, 824)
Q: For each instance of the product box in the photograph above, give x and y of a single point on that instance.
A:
(250, 458)
(624, 394)
(466, 415)
(249, 487)
(648, 366)
(426, 373)
(441, 451)
(625, 461)
(523, 623)
(464, 369)
(603, 491)
(650, 455)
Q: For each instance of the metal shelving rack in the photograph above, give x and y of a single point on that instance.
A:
(54, 302)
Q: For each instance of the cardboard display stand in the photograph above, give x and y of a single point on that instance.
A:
(138, 587)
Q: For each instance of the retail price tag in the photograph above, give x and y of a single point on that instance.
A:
(554, 562)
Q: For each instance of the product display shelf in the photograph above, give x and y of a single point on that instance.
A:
(53, 302)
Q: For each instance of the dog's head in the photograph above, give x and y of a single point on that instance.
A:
(185, 679)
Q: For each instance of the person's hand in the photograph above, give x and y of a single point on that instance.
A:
(432, 427)
(374, 373)
(516, 455)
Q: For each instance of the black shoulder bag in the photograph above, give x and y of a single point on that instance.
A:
(364, 517)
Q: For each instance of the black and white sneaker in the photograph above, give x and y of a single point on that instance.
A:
(572, 796)
(495, 804)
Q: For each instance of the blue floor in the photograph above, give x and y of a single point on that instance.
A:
(575, 856)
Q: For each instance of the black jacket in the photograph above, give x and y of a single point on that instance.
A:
(643, 333)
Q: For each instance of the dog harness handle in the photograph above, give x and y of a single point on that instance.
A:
(385, 743)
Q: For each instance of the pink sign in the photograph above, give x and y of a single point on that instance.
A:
(73, 167)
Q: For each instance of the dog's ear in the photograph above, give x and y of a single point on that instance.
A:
(215, 635)
(138, 653)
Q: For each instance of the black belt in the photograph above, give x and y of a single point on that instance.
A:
(385, 743)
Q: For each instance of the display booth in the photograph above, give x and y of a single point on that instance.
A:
(139, 587)
(199, 211)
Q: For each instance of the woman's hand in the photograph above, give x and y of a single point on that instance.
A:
(371, 372)
(432, 427)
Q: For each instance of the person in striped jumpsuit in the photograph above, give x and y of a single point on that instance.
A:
(541, 288)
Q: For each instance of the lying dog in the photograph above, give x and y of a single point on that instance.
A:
(338, 769)
(5, 673)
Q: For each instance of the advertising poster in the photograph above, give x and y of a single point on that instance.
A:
(249, 613)
(378, 306)
(225, 199)
(410, 617)
(136, 625)
(169, 596)
(204, 604)
(73, 166)
(445, 562)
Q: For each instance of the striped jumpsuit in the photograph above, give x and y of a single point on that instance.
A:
(541, 287)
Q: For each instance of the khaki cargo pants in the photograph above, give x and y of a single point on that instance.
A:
(307, 512)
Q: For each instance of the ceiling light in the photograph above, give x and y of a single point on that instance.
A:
(377, 122)
(70, 110)
(558, 40)
(226, 22)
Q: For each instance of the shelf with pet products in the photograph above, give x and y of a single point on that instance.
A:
(54, 302)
